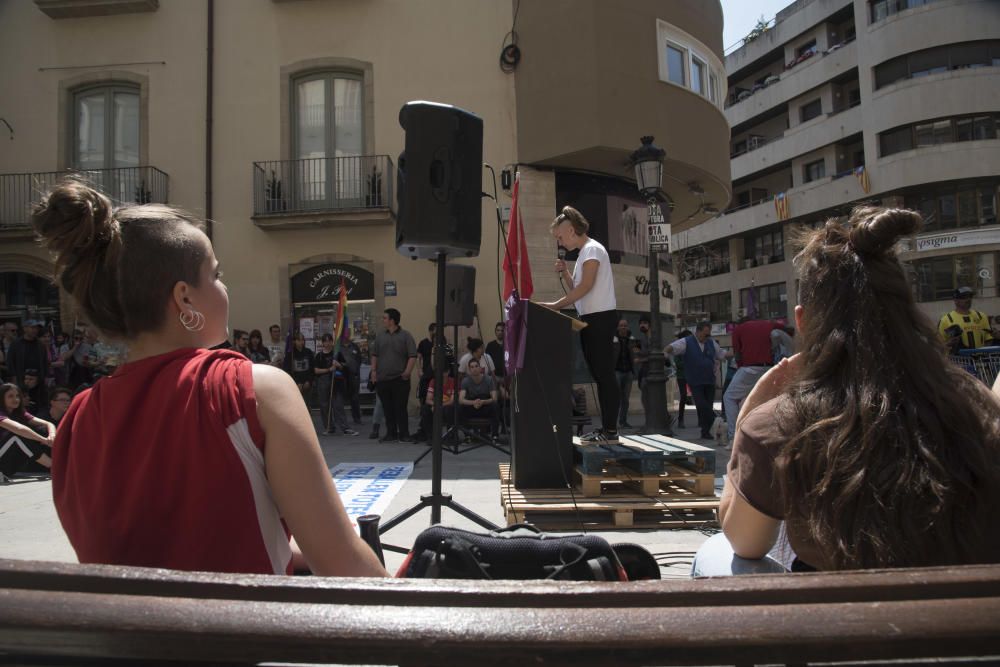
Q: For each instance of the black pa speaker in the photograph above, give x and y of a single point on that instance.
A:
(439, 181)
(459, 295)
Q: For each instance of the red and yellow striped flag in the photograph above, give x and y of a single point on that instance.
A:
(781, 206)
(862, 175)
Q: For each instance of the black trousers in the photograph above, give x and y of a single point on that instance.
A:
(597, 340)
(704, 396)
(395, 394)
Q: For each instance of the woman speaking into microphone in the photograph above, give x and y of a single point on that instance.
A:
(593, 295)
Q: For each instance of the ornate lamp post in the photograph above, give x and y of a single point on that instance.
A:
(648, 164)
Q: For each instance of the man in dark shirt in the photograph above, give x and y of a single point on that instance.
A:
(624, 365)
(494, 348)
(27, 352)
(424, 350)
(393, 356)
(478, 396)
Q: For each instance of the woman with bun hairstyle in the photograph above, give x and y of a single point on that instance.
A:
(593, 295)
(869, 444)
(185, 457)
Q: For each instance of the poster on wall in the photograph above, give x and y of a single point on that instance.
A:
(324, 325)
(627, 227)
(307, 328)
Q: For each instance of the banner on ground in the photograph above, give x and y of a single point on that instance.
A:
(368, 488)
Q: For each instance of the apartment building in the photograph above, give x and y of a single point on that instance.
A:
(839, 102)
(278, 120)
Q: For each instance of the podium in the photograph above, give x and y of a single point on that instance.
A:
(541, 402)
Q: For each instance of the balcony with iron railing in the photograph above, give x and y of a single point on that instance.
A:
(315, 191)
(124, 185)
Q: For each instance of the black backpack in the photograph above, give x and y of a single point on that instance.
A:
(523, 552)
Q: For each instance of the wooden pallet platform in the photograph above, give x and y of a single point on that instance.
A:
(613, 477)
(696, 458)
(594, 457)
(555, 509)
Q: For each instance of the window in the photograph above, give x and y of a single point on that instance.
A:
(683, 60)
(955, 206)
(810, 110)
(675, 65)
(698, 76)
(106, 127)
(942, 131)
(718, 307)
(814, 171)
(769, 300)
(937, 278)
(328, 110)
(809, 47)
(936, 60)
(931, 134)
(765, 248)
(711, 260)
(882, 9)
(984, 127)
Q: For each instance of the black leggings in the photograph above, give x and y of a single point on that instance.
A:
(597, 339)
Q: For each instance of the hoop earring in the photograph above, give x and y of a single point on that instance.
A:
(192, 320)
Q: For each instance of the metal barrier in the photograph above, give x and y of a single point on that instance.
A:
(124, 185)
(984, 362)
(282, 187)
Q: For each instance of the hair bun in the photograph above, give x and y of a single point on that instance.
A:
(880, 228)
(73, 216)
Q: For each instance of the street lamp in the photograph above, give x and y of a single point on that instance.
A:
(648, 164)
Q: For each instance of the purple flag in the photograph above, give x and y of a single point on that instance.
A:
(515, 333)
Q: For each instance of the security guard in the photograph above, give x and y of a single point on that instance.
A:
(965, 328)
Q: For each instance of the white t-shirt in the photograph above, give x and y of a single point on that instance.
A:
(485, 361)
(601, 296)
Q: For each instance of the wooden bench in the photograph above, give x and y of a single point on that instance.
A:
(62, 614)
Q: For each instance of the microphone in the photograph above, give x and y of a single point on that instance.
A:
(561, 252)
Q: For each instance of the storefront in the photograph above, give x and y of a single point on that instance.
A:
(316, 293)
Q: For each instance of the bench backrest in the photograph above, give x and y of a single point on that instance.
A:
(73, 613)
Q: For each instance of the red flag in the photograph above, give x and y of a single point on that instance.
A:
(516, 267)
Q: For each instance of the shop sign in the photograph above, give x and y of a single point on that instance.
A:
(659, 230)
(956, 239)
(390, 288)
(322, 283)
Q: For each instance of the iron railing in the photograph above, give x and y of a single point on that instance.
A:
(312, 185)
(124, 185)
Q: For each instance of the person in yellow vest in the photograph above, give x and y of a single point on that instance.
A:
(965, 328)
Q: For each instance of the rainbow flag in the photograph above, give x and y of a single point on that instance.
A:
(342, 328)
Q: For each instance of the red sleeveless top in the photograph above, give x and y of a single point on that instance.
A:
(162, 465)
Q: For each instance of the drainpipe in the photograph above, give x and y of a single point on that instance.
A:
(210, 67)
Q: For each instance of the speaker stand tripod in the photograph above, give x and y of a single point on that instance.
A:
(435, 500)
(458, 434)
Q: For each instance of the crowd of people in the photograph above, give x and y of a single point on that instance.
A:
(868, 445)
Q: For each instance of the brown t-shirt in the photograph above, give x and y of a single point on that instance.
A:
(751, 471)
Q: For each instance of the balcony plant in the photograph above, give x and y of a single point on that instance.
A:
(274, 200)
(373, 189)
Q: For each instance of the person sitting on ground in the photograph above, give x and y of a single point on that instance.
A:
(873, 448)
(256, 350)
(230, 466)
(59, 400)
(21, 441)
(35, 396)
(478, 396)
